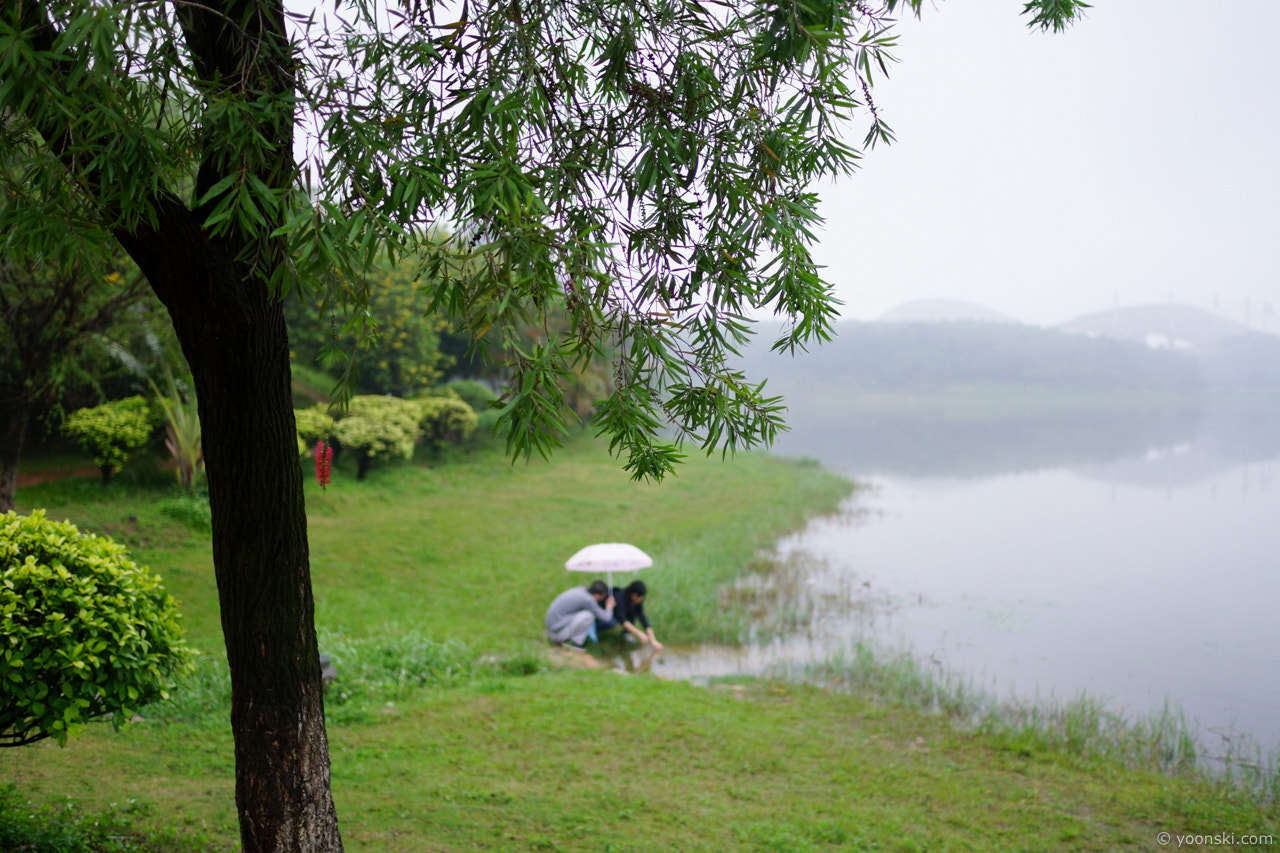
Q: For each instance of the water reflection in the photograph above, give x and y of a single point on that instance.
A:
(971, 436)
(1132, 555)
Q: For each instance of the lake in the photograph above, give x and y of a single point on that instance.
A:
(1127, 549)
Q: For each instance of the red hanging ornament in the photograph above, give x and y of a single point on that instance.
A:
(324, 459)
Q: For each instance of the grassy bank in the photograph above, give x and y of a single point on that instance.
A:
(473, 549)
(597, 761)
(450, 730)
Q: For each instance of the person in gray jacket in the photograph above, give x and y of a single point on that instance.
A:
(573, 614)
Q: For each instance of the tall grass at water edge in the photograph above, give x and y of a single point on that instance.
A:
(1083, 726)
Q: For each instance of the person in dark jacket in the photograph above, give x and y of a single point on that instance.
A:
(628, 611)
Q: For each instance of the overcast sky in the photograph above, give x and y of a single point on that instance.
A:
(1131, 159)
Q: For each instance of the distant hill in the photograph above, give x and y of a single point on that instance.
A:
(934, 354)
(962, 399)
(943, 311)
(1180, 326)
(1228, 354)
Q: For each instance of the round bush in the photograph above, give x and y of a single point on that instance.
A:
(84, 631)
(377, 428)
(111, 432)
(446, 419)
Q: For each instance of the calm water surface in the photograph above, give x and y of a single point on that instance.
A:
(1140, 572)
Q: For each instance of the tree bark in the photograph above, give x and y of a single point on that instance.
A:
(233, 335)
(15, 433)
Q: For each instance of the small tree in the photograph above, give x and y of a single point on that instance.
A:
(111, 432)
(377, 428)
(84, 631)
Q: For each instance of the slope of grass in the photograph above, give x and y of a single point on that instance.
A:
(474, 549)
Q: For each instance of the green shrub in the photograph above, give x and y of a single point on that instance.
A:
(111, 432)
(377, 428)
(84, 631)
(487, 421)
(191, 510)
(445, 419)
(28, 828)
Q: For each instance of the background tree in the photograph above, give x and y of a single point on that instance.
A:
(494, 355)
(643, 166)
(398, 340)
(55, 326)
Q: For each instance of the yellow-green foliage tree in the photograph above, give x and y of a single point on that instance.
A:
(377, 428)
(112, 432)
(395, 341)
(85, 631)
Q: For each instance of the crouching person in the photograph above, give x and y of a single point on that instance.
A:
(628, 611)
(573, 614)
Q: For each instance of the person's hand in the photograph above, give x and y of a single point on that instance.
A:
(608, 605)
(644, 641)
(657, 647)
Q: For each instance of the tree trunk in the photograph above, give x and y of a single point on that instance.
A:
(233, 335)
(15, 434)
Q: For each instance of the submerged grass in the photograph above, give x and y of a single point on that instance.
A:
(1085, 726)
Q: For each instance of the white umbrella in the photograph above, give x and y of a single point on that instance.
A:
(609, 557)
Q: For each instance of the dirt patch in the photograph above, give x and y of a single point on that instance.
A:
(35, 478)
(564, 656)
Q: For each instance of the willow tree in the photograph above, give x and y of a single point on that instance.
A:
(641, 166)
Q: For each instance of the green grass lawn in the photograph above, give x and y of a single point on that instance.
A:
(431, 583)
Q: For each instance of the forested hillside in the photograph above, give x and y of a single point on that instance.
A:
(888, 355)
